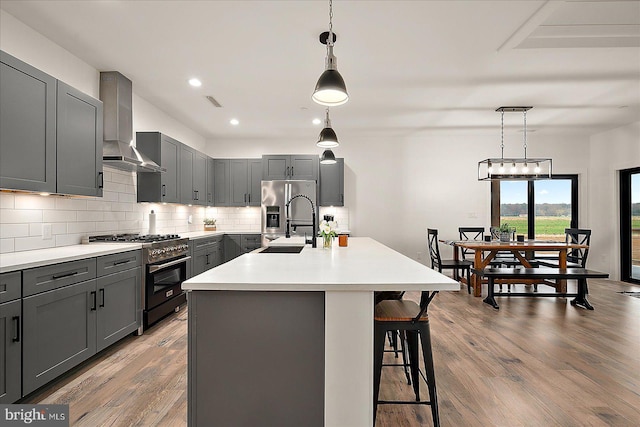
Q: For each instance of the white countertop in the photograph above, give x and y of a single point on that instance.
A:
(364, 265)
(37, 258)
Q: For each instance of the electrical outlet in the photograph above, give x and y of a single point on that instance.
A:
(46, 232)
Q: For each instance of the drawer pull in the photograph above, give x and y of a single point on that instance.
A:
(126, 261)
(61, 276)
(16, 337)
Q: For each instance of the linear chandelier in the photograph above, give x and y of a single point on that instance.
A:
(514, 169)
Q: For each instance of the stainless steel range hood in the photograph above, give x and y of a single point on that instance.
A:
(118, 150)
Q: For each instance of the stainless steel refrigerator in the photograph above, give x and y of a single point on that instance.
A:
(275, 196)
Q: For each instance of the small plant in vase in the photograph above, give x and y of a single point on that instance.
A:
(505, 232)
(209, 224)
(328, 232)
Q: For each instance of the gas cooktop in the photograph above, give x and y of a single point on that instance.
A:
(147, 238)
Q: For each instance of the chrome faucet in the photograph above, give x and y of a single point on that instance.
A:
(313, 242)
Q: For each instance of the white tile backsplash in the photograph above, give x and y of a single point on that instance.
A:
(22, 216)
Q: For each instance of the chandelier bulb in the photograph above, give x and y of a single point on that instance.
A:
(537, 169)
(501, 169)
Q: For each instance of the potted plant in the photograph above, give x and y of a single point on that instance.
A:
(505, 232)
(209, 224)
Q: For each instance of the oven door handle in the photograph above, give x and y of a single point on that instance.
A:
(154, 268)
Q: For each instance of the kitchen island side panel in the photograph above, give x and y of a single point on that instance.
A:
(256, 358)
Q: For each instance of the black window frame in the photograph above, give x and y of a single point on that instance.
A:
(531, 203)
(625, 224)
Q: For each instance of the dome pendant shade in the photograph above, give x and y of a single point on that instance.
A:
(328, 138)
(328, 158)
(330, 89)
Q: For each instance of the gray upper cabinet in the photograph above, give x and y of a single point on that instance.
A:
(237, 182)
(297, 166)
(221, 182)
(332, 184)
(79, 143)
(165, 151)
(210, 181)
(193, 176)
(51, 133)
(28, 131)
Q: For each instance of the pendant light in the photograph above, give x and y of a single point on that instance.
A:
(330, 89)
(328, 137)
(328, 158)
(524, 168)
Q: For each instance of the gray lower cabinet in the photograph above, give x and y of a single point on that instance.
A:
(232, 246)
(10, 337)
(250, 242)
(73, 310)
(332, 184)
(59, 332)
(28, 131)
(79, 143)
(118, 306)
(294, 166)
(159, 186)
(208, 253)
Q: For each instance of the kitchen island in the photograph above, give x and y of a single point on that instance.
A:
(287, 339)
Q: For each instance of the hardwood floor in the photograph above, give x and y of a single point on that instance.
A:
(534, 362)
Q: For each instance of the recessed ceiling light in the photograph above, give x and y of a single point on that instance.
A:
(195, 82)
(234, 122)
(316, 121)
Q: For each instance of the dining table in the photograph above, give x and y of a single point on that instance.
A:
(486, 251)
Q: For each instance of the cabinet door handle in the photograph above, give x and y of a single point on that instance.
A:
(249, 197)
(164, 190)
(207, 259)
(342, 198)
(93, 301)
(16, 337)
(287, 173)
(100, 179)
(64, 275)
(291, 171)
(102, 297)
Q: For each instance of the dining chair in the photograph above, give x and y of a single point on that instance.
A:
(576, 257)
(412, 319)
(437, 263)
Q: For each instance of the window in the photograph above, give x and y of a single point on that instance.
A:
(630, 225)
(539, 209)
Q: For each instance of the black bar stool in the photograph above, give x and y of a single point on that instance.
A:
(412, 319)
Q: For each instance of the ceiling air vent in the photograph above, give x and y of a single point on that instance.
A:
(213, 101)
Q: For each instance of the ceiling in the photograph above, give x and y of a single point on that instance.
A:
(411, 67)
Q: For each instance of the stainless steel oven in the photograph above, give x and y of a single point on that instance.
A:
(165, 270)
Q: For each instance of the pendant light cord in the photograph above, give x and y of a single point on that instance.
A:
(502, 135)
(525, 133)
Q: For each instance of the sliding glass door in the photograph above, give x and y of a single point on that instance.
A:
(630, 225)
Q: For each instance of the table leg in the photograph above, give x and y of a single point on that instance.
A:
(581, 300)
(476, 281)
(561, 285)
(490, 298)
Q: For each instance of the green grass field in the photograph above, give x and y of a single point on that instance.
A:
(549, 225)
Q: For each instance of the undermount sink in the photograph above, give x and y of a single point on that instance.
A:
(282, 250)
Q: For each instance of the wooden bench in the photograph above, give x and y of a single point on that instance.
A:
(514, 274)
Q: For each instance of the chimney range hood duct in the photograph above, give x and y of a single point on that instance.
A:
(118, 150)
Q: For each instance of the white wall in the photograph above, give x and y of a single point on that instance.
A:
(611, 151)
